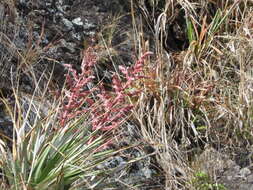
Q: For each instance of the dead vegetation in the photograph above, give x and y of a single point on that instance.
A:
(201, 93)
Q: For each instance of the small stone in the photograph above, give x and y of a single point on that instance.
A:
(75, 35)
(146, 172)
(58, 5)
(67, 23)
(67, 45)
(88, 25)
(229, 178)
(245, 172)
(77, 21)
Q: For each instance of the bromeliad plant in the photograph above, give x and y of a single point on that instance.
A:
(68, 158)
(43, 158)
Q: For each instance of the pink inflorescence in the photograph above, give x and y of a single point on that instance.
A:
(113, 105)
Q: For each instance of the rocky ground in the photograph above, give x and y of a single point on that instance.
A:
(50, 33)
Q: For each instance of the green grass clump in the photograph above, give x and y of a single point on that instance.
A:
(202, 181)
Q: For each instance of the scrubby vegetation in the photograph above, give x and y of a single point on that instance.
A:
(189, 87)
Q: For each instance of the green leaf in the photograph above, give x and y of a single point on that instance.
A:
(190, 31)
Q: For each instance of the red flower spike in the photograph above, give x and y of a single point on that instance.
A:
(113, 106)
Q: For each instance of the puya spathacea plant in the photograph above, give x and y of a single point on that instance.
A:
(44, 158)
(64, 149)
